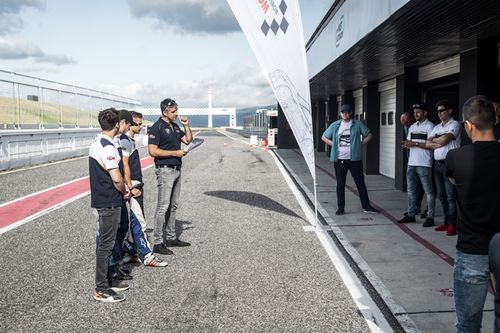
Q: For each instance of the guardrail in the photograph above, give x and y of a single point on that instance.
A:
(247, 132)
(20, 148)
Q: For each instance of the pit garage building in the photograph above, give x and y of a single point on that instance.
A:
(383, 56)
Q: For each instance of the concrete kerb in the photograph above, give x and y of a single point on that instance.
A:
(395, 314)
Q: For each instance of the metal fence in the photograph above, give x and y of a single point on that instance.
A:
(30, 102)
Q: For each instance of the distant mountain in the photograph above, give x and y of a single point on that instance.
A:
(219, 121)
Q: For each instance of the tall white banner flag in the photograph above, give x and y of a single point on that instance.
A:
(274, 31)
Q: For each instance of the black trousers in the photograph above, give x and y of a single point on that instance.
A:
(494, 259)
(109, 220)
(356, 169)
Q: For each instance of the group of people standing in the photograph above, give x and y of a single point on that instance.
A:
(467, 180)
(116, 188)
(428, 146)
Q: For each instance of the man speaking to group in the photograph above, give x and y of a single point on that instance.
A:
(164, 144)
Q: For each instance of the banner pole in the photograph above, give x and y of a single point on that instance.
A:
(315, 202)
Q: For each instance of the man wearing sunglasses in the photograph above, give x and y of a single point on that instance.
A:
(443, 138)
(165, 138)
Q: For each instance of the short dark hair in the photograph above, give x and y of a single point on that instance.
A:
(136, 114)
(446, 103)
(108, 119)
(480, 111)
(166, 103)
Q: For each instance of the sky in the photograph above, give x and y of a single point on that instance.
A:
(142, 49)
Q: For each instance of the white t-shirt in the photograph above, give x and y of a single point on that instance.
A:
(420, 132)
(453, 127)
(345, 140)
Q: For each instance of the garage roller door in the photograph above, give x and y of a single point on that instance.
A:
(387, 162)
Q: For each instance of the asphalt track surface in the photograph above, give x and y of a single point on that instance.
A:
(251, 266)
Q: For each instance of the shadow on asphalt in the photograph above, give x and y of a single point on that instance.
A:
(180, 226)
(252, 199)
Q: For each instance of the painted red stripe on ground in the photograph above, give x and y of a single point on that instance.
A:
(31, 205)
(425, 243)
(21, 209)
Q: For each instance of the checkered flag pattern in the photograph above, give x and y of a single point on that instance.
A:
(274, 26)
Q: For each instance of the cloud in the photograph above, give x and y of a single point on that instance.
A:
(239, 88)
(10, 21)
(56, 59)
(188, 16)
(19, 48)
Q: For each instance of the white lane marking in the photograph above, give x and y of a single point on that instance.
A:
(402, 315)
(41, 165)
(43, 212)
(236, 139)
(50, 209)
(309, 228)
(371, 313)
(42, 191)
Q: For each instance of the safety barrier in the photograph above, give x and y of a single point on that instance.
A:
(20, 148)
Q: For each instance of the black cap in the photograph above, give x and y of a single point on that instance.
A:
(125, 114)
(167, 103)
(345, 108)
(421, 106)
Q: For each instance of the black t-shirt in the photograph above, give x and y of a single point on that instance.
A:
(167, 137)
(476, 170)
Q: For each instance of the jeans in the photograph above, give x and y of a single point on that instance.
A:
(356, 169)
(413, 174)
(494, 259)
(471, 278)
(445, 193)
(109, 219)
(121, 234)
(169, 189)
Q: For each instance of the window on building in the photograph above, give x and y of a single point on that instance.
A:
(383, 120)
(391, 119)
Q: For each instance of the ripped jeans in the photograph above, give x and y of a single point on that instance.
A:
(471, 277)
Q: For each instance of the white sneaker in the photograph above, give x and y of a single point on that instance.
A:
(153, 261)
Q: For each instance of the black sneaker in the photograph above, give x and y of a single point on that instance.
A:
(429, 222)
(340, 211)
(117, 285)
(118, 274)
(407, 219)
(370, 209)
(423, 215)
(108, 296)
(176, 242)
(161, 249)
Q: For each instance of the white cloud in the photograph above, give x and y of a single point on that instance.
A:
(10, 20)
(56, 59)
(236, 88)
(19, 48)
(188, 16)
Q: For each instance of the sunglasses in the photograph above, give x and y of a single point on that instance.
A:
(441, 110)
(419, 106)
